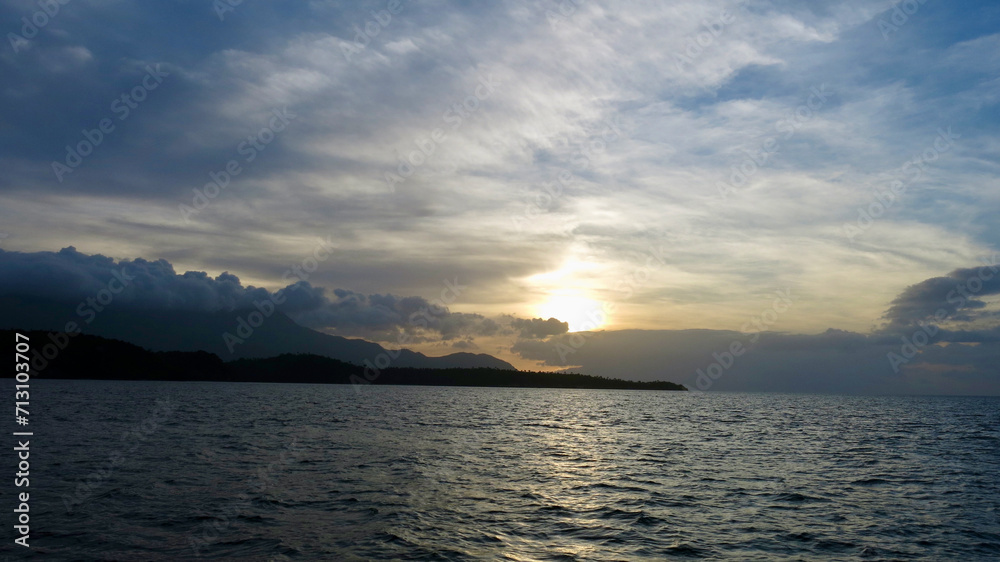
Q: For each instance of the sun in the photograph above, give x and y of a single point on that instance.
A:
(581, 313)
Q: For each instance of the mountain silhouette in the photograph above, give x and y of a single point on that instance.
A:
(97, 358)
(181, 330)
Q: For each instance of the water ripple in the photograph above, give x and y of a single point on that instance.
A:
(422, 473)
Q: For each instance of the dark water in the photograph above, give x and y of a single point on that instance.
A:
(269, 472)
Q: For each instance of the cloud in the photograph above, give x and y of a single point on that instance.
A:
(956, 297)
(692, 90)
(71, 276)
(834, 361)
(956, 359)
(381, 317)
(961, 360)
(538, 328)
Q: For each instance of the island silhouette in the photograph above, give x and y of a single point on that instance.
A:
(98, 358)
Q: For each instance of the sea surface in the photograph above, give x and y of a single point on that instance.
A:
(183, 471)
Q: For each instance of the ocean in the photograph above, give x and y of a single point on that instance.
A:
(184, 471)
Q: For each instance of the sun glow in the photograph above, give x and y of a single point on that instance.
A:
(580, 312)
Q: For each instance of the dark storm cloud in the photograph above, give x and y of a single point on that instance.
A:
(538, 328)
(956, 297)
(68, 275)
(381, 316)
(71, 276)
(970, 336)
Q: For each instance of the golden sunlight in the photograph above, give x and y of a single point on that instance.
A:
(580, 312)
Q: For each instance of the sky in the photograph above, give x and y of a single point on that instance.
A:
(663, 179)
